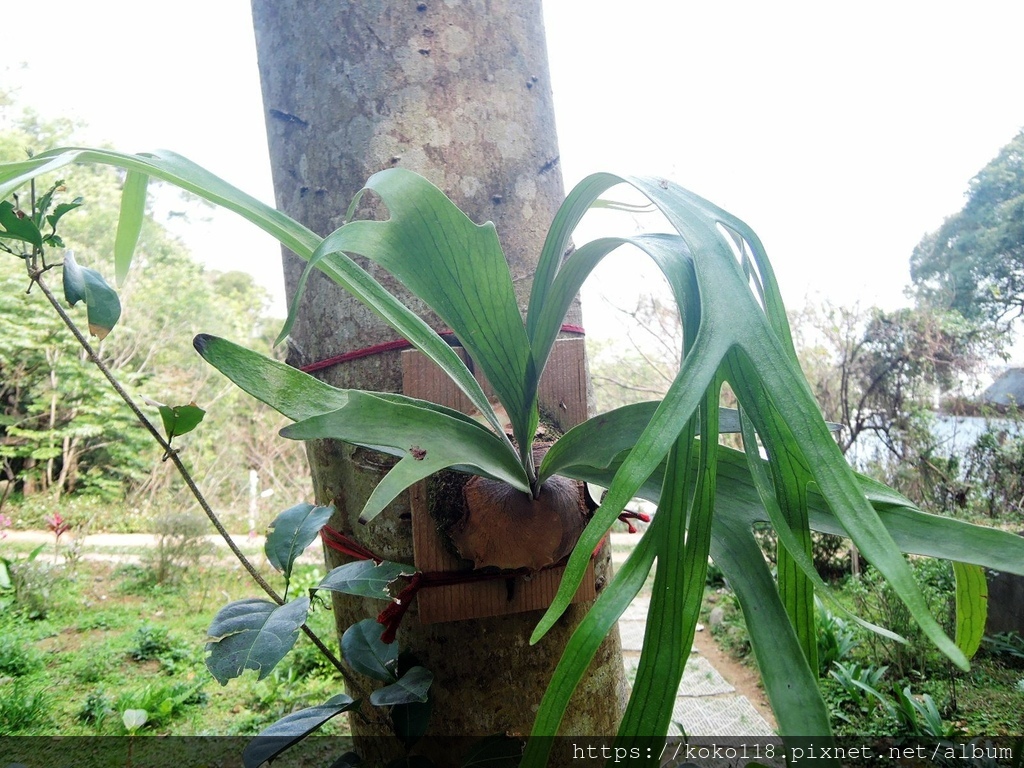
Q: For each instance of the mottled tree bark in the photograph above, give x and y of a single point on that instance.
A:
(459, 92)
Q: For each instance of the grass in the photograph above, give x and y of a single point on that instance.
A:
(112, 639)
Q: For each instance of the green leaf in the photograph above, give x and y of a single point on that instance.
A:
(129, 223)
(58, 214)
(789, 681)
(252, 634)
(84, 284)
(971, 606)
(454, 265)
(17, 227)
(683, 546)
(177, 170)
(367, 654)
(180, 419)
(291, 729)
(410, 721)
(291, 532)
(731, 316)
(289, 391)
(426, 439)
(365, 578)
(794, 547)
(548, 308)
(611, 603)
(600, 441)
(410, 687)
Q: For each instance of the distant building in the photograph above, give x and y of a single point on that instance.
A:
(1006, 390)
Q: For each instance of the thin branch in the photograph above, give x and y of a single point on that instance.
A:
(172, 454)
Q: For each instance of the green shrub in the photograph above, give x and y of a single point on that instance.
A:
(96, 708)
(153, 643)
(32, 583)
(181, 544)
(876, 601)
(17, 657)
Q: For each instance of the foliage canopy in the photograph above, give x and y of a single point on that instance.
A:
(974, 262)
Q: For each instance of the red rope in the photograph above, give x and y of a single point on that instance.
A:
(397, 344)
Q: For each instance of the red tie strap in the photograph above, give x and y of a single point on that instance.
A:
(397, 344)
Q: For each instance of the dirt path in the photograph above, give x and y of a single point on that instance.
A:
(741, 677)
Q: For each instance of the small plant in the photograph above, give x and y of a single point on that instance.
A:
(160, 701)
(22, 708)
(17, 658)
(58, 526)
(919, 716)
(96, 708)
(859, 682)
(181, 544)
(876, 602)
(1010, 644)
(836, 639)
(29, 583)
(153, 643)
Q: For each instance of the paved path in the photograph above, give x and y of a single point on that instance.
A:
(706, 704)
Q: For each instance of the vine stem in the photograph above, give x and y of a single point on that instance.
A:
(36, 276)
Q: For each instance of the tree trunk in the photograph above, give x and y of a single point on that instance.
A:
(458, 92)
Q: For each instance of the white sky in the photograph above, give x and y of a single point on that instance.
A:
(840, 132)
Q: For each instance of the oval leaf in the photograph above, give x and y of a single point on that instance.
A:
(252, 634)
(291, 532)
(60, 210)
(363, 649)
(365, 578)
(103, 308)
(411, 687)
(292, 729)
(18, 227)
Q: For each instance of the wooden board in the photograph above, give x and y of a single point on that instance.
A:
(563, 398)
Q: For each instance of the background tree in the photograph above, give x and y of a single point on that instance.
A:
(645, 368)
(974, 262)
(872, 370)
(62, 431)
(460, 94)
